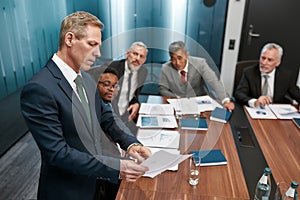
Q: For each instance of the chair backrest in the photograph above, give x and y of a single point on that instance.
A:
(150, 88)
(298, 81)
(240, 66)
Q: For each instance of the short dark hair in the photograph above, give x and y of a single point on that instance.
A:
(176, 46)
(110, 70)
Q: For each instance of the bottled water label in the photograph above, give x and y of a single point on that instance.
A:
(263, 180)
(262, 192)
(290, 192)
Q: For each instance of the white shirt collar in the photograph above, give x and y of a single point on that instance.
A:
(185, 68)
(66, 70)
(271, 74)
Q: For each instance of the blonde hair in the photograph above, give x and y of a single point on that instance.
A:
(76, 23)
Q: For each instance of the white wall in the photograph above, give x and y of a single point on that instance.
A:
(235, 14)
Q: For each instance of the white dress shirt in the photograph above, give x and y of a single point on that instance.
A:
(123, 102)
(68, 73)
(270, 92)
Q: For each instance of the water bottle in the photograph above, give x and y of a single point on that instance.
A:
(291, 193)
(263, 187)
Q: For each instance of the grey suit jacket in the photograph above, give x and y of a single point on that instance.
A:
(73, 154)
(199, 74)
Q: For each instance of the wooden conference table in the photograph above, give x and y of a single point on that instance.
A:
(279, 141)
(216, 182)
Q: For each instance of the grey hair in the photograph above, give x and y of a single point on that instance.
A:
(140, 44)
(270, 46)
(176, 46)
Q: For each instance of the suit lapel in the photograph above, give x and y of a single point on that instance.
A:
(277, 87)
(68, 91)
(257, 81)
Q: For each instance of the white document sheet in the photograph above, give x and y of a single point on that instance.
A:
(260, 113)
(159, 138)
(206, 103)
(184, 106)
(284, 111)
(173, 151)
(156, 109)
(161, 161)
(193, 105)
(157, 121)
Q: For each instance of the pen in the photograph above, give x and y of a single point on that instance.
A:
(130, 158)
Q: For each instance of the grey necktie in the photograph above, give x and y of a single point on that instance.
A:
(129, 86)
(265, 88)
(79, 89)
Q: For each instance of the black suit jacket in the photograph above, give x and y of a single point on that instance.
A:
(73, 154)
(119, 67)
(250, 86)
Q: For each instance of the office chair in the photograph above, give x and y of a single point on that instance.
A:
(240, 66)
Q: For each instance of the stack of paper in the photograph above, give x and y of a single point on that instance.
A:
(156, 121)
(260, 113)
(274, 111)
(193, 105)
(156, 109)
(284, 111)
(172, 151)
(159, 138)
(161, 161)
(156, 116)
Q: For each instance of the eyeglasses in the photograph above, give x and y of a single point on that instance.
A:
(107, 84)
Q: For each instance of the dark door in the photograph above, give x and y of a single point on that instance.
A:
(272, 21)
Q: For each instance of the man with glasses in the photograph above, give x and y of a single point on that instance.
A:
(108, 85)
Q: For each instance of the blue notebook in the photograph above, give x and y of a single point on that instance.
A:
(193, 124)
(210, 157)
(297, 122)
(220, 115)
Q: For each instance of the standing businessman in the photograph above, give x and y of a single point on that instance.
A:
(71, 125)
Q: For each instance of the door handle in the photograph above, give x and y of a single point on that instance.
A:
(251, 34)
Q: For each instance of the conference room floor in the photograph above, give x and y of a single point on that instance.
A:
(19, 170)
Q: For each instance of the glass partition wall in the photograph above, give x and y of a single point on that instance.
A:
(30, 30)
(199, 23)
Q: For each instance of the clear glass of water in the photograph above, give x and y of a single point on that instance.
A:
(194, 170)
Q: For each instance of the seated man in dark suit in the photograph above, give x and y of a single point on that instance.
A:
(132, 75)
(267, 83)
